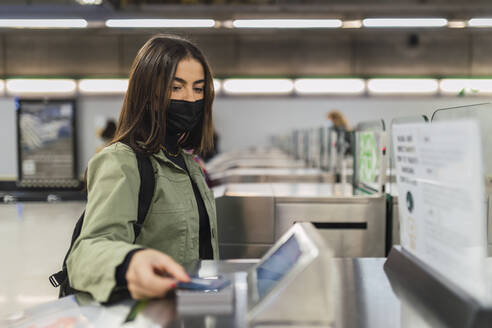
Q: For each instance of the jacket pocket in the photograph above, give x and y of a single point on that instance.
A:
(168, 233)
(170, 195)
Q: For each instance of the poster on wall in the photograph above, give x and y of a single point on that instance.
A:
(46, 143)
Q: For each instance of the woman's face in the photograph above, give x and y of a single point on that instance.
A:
(189, 81)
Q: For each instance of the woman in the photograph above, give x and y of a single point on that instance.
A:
(167, 107)
(343, 131)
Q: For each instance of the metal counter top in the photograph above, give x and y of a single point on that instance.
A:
(302, 190)
(255, 163)
(362, 294)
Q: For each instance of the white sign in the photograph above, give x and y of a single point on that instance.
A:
(29, 167)
(441, 198)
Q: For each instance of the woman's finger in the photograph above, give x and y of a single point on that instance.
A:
(164, 263)
(155, 284)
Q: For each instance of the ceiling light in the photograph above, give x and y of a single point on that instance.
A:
(404, 22)
(258, 86)
(2, 87)
(456, 24)
(330, 86)
(40, 86)
(103, 86)
(287, 23)
(150, 23)
(352, 24)
(402, 86)
(43, 23)
(90, 2)
(467, 86)
(480, 22)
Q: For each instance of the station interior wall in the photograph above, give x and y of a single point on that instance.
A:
(240, 122)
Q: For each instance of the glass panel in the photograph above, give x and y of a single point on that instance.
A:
(483, 114)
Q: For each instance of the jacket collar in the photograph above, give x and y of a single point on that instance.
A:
(160, 156)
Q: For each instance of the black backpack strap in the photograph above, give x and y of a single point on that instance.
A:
(60, 278)
(146, 192)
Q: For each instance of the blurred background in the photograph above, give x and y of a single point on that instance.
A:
(345, 44)
(280, 66)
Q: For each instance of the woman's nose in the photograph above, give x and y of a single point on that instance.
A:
(189, 96)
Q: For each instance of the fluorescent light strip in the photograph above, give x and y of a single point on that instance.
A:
(352, 24)
(404, 22)
(178, 23)
(480, 22)
(258, 86)
(43, 23)
(402, 86)
(329, 86)
(103, 86)
(468, 86)
(2, 87)
(113, 86)
(90, 2)
(40, 86)
(287, 23)
(456, 24)
(378, 86)
(217, 85)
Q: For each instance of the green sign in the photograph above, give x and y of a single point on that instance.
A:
(368, 157)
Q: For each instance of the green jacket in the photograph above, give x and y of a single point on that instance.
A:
(171, 225)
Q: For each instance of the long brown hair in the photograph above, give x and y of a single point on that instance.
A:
(338, 120)
(142, 121)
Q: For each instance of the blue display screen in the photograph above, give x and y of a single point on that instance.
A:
(277, 265)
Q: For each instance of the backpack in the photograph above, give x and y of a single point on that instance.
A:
(145, 194)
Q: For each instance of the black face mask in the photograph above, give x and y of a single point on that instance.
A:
(182, 116)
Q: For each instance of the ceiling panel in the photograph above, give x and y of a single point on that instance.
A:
(481, 54)
(61, 54)
(411, 54)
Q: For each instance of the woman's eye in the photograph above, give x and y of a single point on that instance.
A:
(176, 88)
(199, 90)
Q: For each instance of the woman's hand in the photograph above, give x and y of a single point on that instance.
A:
(145, 274)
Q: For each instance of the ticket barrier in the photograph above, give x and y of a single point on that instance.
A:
(257, 175)
(272, 158)
(442, 264)
(297, 283)
(442, 303)
(309, 155)
(251, 217)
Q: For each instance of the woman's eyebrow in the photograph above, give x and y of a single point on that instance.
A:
(180, 80)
